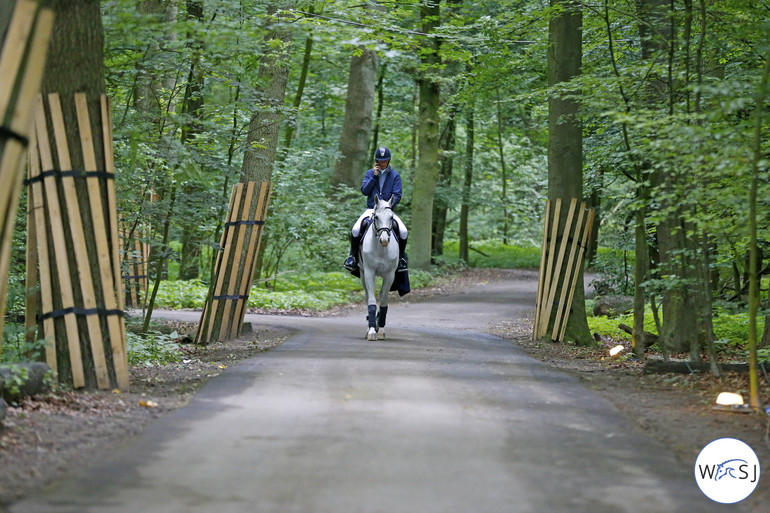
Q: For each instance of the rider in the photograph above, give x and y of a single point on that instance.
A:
(385, 182)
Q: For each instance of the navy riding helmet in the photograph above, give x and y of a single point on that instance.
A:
(382, 153)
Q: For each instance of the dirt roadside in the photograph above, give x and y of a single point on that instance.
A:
(47, 436)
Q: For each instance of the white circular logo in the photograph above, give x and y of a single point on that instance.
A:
(727, 470)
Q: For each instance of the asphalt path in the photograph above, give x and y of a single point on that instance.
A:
(439, 417)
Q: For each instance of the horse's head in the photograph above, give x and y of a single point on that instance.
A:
(383, 219)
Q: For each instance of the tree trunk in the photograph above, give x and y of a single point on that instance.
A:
(503, 171)
(565, 142)
(357, 128)
(192, 107)
(447, 145)
(262, 139)
(380, 91)
(426, 174)
(76, 65)
(468, 181)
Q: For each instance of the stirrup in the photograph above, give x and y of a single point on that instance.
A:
(350, 264)
(402, 266)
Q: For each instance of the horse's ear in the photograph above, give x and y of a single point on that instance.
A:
(376, 198)
(390, 202)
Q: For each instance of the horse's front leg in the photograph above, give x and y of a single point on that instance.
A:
(387, 281)
(369, 282)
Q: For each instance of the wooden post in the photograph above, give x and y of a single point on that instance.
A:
(562, 310)
(80, 280)
(28, 35)
(224, 310)
(581, 253)
(545, 308)
(541, 274)
(556, 276)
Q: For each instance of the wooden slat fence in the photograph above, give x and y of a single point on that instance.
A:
(560, 262)
(21, 69)
(74, 214)
(226, 304)
(136, 258)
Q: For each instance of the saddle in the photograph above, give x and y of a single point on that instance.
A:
(365, 226)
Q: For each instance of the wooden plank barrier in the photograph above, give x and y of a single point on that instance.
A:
(21, 69)
(558, 276)
(228, 296)
(75, 219)
(135, 263)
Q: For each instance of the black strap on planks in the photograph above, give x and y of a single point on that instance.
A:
(78, 173)
(82, 311)
(247, 223)
(7, 133)
(231, 298)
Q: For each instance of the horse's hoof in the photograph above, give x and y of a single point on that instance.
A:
(381, 334)
(371, 334)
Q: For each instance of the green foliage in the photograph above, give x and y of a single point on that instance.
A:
(181, 294)
(14, 381)
(616, 272)
(494, 254)
(152, 349)
(731, 328)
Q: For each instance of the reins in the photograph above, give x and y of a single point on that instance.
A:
(373, 221)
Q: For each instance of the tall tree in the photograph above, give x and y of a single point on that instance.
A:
(470, 133)
(192, 119)
(565, 138)
(76, 65)
(262, 139)
(357, 127)
(426, 174)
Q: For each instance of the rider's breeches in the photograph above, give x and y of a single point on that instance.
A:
(402, 231)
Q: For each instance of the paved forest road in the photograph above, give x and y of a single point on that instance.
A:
(440, 417)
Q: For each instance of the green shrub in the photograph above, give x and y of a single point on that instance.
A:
(152, 348)
(494, 254)
(730, 328)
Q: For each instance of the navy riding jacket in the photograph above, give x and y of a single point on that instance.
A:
(390, 187)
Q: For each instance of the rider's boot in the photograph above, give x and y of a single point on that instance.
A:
(402, 264)
(351, 264)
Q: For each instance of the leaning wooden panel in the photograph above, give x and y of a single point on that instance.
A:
(581, 252)
(562, 312)
(241, 231)
(557, 270)
(35, 195)
(59, 265)
(80, 247)
(541, 274)
(251, 259)
(545, 310)
(31, 278)
(201, 335)
(7, 234)
(26, 37)
(11, 58)
(103, 249)
(224, 262)
(112, 208)
(241, 295)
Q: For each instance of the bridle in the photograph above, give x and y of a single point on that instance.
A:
(387, 229)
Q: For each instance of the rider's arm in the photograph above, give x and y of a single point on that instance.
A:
(396, 189)
(370, 181)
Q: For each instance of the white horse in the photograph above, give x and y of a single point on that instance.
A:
(378, 257)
